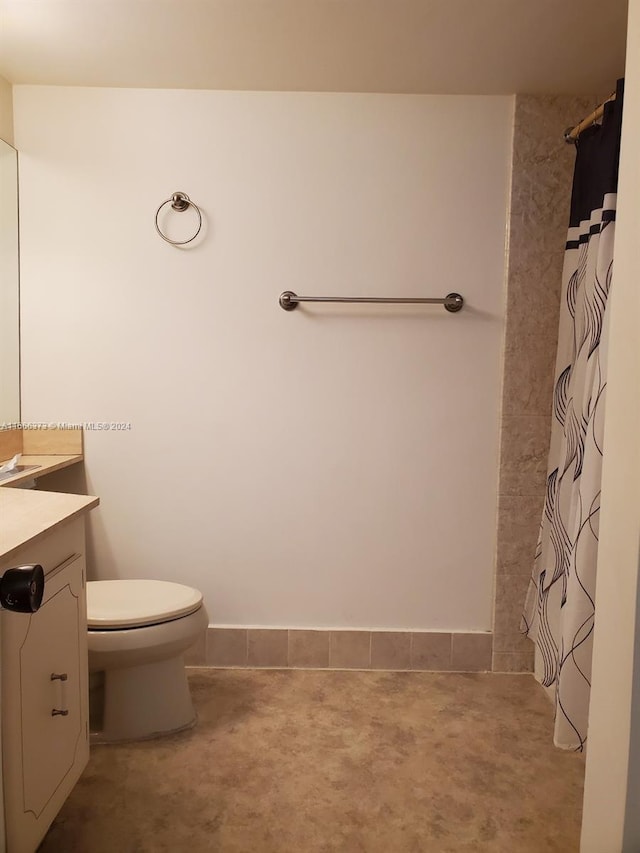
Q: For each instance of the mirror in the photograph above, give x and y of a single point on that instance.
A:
(9, 288)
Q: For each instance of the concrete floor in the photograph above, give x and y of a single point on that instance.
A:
(316, 761)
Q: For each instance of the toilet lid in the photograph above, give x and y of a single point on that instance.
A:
(134, 603)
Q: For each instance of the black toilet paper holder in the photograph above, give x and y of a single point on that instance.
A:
(22, 588)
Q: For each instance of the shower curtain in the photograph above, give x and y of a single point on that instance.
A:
(560, 605)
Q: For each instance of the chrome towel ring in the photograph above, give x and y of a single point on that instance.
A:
(180, 202)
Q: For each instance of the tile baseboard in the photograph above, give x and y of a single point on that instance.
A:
(297, 648)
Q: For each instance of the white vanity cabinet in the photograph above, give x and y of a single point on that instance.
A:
(44, 687)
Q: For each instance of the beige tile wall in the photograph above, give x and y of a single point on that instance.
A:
(308, 649)
(540, 198)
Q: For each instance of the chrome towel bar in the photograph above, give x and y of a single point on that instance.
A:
(452, 302)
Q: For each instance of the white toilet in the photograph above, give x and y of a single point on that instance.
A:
(138, 633)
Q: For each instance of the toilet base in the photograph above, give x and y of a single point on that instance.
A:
(145, 701)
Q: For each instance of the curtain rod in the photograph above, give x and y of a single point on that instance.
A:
(572, 134)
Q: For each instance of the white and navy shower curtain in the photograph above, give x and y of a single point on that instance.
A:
(560, 605)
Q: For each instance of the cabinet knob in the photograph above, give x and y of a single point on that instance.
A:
(56, 712)
(59, 676)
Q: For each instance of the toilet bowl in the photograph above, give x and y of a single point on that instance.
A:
(138, 631)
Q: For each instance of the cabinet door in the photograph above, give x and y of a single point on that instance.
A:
(45, 725)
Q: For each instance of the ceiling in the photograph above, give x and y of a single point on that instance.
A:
(430, 46)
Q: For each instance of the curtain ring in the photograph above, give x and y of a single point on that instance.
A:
(180, 202)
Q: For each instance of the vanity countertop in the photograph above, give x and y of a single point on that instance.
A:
(28, 515)
(45, 465)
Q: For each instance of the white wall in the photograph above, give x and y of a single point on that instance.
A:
(331, 467)
(6, 111)
(611, 819)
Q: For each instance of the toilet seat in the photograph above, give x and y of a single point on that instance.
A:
(116, 604)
